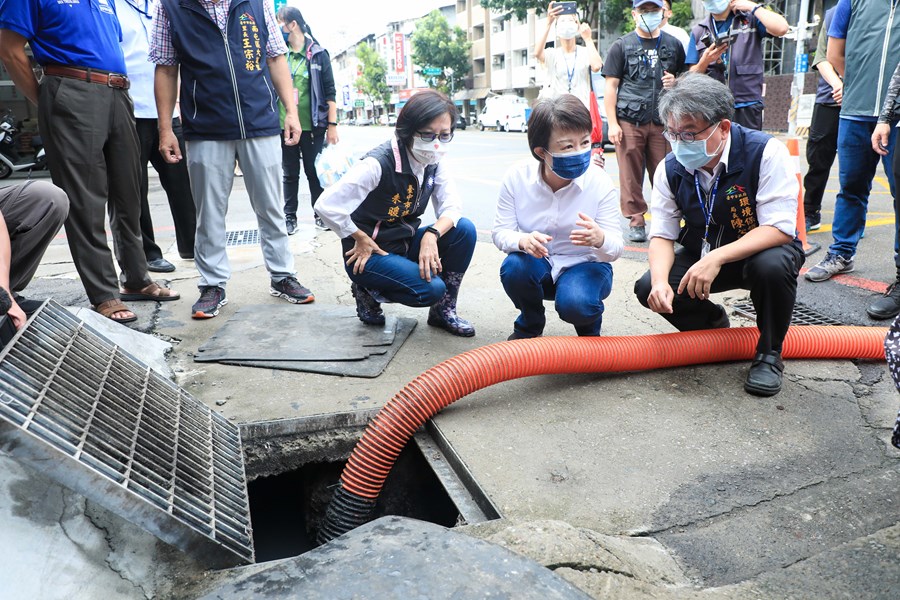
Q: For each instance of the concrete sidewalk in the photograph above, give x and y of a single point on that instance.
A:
(787, 497)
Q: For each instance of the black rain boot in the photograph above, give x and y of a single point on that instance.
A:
(443, 313)
(367, 308)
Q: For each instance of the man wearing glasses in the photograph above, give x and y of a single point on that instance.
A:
(736, 190)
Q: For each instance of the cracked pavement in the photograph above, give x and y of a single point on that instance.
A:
(664, 484)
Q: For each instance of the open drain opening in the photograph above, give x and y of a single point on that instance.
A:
(293, 476)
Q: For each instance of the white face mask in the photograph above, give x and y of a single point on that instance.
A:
(566, 30)
(428, 153)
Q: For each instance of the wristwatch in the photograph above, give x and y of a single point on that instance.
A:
(332, 123)
(436, 233)
(756, 8)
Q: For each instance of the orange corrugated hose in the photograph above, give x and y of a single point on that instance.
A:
(443, 384)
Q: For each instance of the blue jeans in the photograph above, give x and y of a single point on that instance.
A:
(857, 164)
(396, 277)
(579, 293)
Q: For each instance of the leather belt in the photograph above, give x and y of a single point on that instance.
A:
(113, 80)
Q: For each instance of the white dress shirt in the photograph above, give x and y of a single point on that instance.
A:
(528, 204)
(337, 203)
(776, 195)
(136, 20)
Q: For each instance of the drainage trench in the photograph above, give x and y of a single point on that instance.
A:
(294, 465)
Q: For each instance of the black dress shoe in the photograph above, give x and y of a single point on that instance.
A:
(764, 378)
(186, 255)
(160, 265)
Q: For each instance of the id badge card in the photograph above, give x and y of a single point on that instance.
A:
(296, 97)
(704, 249)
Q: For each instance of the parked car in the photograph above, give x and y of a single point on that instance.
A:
(392, 119)
(365, 121)
(460, 122)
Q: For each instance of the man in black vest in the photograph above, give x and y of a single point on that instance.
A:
(736, 190)
(229, 95)
(638, 67)
(727, 45)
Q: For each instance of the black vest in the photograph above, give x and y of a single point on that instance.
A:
(734, 209)
(641, 83)
(744, 71)
(226, 90)
(390, 213)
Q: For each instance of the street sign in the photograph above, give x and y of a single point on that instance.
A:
(431, 71)
(279, 4)
(359, 103)
(395, 79)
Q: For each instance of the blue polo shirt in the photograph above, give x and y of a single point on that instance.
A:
(78, 33)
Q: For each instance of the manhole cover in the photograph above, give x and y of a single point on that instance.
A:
(244, 237)
(77, 408)
(803, 315)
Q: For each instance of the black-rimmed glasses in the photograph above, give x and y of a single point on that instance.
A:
(685, 136)
(427, 136)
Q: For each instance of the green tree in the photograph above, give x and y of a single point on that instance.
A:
(438, 46)
(373, 81)
(587, 9)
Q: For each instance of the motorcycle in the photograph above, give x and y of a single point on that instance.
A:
(10, 160)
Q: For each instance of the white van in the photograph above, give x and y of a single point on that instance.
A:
(504, 113)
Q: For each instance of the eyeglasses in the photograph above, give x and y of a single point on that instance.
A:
(428, 136)
(646, 10)
(686, 136)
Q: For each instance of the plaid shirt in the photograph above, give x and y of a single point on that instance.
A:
(163, 53)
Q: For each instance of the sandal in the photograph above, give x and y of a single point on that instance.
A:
(154, 292)
(108, 308)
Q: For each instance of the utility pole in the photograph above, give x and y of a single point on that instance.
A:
(802, 34)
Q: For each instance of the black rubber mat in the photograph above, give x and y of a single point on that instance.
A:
(317, 339)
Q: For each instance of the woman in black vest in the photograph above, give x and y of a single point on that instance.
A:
(376, 209)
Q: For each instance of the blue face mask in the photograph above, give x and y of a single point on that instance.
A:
(716, 7)
(650, 22)
(693, 155)
(572, 165)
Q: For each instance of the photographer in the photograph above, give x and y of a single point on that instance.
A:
(727, 46)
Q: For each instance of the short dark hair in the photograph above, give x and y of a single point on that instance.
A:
(420, 110)
(565, 112)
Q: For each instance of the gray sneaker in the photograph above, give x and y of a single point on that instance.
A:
(831, 265)
(637, 234)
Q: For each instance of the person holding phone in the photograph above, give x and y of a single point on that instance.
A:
(376, 209)
(727, 46)
(314, 95)
(557, 220)
(568, 65)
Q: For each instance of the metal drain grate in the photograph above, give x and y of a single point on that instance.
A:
(82, 411)
(802, 314)
(245, 237)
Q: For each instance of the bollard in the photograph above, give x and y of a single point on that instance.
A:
(793, 145)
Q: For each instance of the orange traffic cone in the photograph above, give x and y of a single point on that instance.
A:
(793, 145)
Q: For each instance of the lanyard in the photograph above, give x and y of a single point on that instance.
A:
(707, 205)
(300, 62)
(571, 73)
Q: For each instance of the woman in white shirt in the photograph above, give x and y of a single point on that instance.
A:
(376, 207)
(568, 65)
(558, 221)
